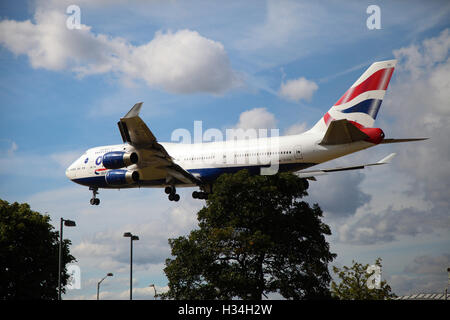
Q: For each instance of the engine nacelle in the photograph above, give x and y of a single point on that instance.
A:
(119, 159)
(121, 177)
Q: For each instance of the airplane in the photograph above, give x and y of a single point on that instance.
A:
(142, 161)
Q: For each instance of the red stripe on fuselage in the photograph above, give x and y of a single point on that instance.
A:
(377, 81)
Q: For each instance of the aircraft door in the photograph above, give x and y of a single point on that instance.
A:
(298, 153)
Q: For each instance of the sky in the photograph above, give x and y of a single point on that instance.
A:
(65, 82)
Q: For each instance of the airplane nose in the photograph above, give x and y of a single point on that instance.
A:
(69, 173)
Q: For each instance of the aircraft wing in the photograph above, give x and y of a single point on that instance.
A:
(155, 162)
(311, 174)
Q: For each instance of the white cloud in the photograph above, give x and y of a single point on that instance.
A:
(425, 274)
(390, 224)
(298, 89)
(178, 62)
(296, 128)
(332, 189)
(419, 100)
(256, 118)
(182, 62)
(426, 264)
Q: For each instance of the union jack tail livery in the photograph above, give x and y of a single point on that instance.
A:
(361, 103)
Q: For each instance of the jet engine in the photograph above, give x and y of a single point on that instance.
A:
(121, 177)
(119, 159)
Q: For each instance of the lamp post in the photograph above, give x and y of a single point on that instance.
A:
(67, 223)
(154, 288)
(98, 283)
(448, 283)
(132, 238)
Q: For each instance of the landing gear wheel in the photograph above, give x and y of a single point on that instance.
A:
(172, 192)
(200, 195)
(174, 197)
(94, 200)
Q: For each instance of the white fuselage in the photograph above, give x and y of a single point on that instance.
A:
(208, 160)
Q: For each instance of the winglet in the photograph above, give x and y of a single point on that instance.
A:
(387, 159)
(134, 112)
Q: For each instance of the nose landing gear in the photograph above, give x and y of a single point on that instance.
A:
(94, 200)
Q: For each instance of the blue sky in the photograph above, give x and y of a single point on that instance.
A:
(62, 91)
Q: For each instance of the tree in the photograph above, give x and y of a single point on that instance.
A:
(255, 237)
(358, 282)
(29, 254)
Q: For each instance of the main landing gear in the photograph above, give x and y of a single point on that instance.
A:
(172, 192)
(94, 200)
(200, 195)
(206, 190)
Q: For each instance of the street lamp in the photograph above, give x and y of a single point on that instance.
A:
(132, 237)
(98, 283)
(448, 283)
(67, 223)
(154, 288)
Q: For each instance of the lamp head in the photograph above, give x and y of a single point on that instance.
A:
(69, 223)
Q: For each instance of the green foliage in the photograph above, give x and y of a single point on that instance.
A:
(29, 254)
(255, 237)
(353, 285)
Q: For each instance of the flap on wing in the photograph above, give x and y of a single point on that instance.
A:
(342, 131)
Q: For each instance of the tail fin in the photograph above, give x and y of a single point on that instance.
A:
(362, 101)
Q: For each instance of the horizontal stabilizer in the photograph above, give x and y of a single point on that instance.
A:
(402, 140)
(314, 173)
(342, 131)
